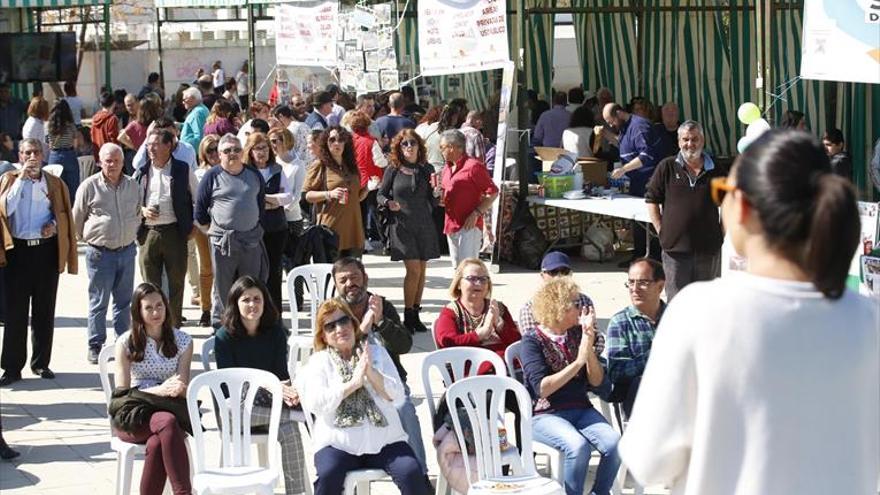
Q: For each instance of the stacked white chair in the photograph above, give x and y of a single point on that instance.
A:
(318, 278)
(456, 363)
(483, 398)
(237, 474)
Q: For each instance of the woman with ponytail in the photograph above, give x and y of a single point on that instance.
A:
(768, 380)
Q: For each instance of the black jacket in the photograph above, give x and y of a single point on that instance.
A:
(130, 409)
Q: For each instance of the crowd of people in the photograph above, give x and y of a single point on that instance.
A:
(235, 199)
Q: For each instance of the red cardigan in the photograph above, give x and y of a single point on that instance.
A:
(450, 335)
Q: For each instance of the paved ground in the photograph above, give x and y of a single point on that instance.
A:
(60, 425)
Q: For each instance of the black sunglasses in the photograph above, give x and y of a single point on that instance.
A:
(559, 272)
(331, 326)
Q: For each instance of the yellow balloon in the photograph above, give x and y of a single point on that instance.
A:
(748, 112)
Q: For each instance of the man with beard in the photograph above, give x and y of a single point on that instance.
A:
(681, 209)
(382, 327)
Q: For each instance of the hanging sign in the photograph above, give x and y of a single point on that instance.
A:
(841, 41)
(458, 36)
(305, 33)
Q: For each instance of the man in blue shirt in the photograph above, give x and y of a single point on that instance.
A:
(552, 123)
(194, 125)
(394, 122)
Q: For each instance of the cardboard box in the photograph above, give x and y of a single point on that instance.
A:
(595, 171)
(547, 155)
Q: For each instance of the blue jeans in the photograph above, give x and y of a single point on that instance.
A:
(410, 422)
(70, 174)
(574, 432)
(110, 273)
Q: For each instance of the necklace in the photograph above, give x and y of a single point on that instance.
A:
(473, 321)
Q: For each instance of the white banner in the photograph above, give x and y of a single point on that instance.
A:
(841, 41)
(305, 33)
(458, 36)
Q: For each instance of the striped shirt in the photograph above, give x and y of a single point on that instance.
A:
(63, 139)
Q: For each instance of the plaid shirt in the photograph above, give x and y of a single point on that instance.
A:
(528, 324)
(630, 334)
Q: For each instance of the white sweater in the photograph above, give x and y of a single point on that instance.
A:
(760, 386)
(321, 389)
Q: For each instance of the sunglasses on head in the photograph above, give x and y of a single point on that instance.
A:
(719, 188)
(331, 326)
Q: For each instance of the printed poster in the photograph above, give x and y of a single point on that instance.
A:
(841, 41)
(459, 36)
(306, 33)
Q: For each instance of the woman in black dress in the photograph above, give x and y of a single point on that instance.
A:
(407, 193)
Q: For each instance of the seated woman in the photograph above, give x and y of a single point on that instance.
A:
(559, 368)
(252, 337)
(354, 390)
(473, 318)
(155, 358)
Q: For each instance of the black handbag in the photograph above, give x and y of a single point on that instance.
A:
(319, 243)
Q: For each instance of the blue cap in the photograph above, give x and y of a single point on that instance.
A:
(555, 260)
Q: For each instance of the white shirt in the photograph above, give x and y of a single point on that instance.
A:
(244, 131)
(241, 84)
(295, 173)
(577, 140)
(160, 193)
(759, 386)
(285, 196)
(183, 152)
(28, 207)
(36, 129)
(431, 134)
(321, 389)
(300, 133)
(219, 78)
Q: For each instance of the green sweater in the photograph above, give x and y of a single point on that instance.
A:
(266, 351)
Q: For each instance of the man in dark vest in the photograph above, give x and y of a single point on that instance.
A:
(167, 187)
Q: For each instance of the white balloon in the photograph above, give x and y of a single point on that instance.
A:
(757, 128)
(743, 143)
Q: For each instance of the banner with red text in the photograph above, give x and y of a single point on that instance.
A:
(305, 33)
(458, 36)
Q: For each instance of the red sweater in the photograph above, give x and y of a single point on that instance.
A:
(363, 154)
(450, 335)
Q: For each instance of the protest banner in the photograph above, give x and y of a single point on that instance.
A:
(305, 33)
(459, 36)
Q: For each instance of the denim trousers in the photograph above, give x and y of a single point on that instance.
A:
(396, 459)
(111, 273)
(410, 423)
(70, 173)
(575, 432)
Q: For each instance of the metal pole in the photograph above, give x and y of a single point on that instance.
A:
(159, 46)
(107, 70)
(761, 21)
(252, 72)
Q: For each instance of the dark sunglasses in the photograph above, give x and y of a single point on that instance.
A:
(331, 326)
(229, 151)
(334, 140)
(559, 272)
(211, 149)
(409, 144)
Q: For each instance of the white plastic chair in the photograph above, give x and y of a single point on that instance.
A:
(462, 362)
(358, 480)
(237, 474)
(125, 451)
(512, 354)
(260, 439)
(319, 282)
(483, 398)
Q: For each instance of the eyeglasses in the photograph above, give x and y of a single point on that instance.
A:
(559, 272)
(408, 144)
(231, 151)
(719, 188)
(477, 279)
(210, 150)
(331, 326)
(638, 284)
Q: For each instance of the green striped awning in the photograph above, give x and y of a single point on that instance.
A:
(210, 3)
(48, 4)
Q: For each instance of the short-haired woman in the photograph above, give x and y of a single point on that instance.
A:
(333, 185)
(156, 358)
(559, 367)
(353, 389)
(765, 381)
(279, 193)
(252, 337)
(282, 142)
(208, 156)
(407, 193)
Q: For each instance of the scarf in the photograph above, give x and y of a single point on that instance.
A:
(360, 404)
(468, 323)
(557, 355)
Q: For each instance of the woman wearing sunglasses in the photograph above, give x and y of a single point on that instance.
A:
(407, 193)
(766, 381)
(258, 153)
(208, 157)
(353, 390)
(333, 184)
(252, 337)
